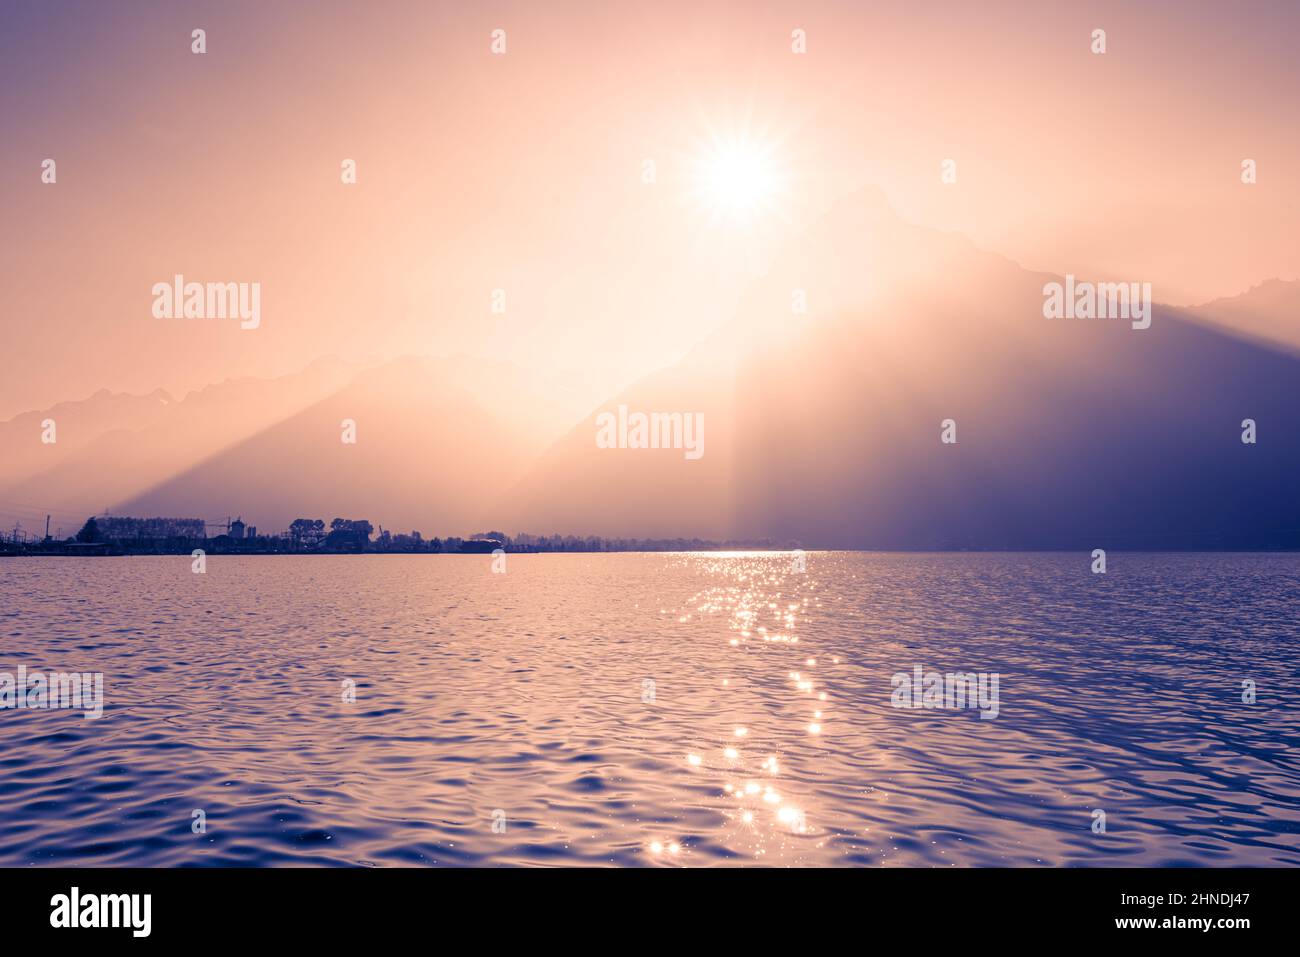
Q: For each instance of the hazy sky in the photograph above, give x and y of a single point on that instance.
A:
(524, 172)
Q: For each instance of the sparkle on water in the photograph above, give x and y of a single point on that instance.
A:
(769, 739)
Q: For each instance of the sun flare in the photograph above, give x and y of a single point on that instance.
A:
(739, 184)
(738, 179)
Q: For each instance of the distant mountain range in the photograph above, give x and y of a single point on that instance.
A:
(1071, 433)
(1268, 313)
(111, 447)
(437, 440)
(820, 427)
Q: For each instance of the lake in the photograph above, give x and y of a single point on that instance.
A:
(656, 709)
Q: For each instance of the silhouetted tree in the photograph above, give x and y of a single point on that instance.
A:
(349, 533)
(307, 529)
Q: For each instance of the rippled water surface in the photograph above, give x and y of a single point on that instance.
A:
(654, 709)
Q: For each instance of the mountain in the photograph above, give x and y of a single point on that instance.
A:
(820, 426)
(1268, 313)
(437, 440)
(435, 436)
(78, 425)
(825, 428)
(112, 446)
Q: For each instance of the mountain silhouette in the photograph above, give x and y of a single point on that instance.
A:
(437, 440)
(822, 424)
(825, 428)
(1268, 313)
(111, 447)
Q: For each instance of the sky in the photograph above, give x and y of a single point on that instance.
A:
(526, 171)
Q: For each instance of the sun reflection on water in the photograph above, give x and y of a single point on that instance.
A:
(762, 597)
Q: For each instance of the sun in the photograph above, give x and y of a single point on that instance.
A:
(735, 178)
(738, 179)
(737, 183)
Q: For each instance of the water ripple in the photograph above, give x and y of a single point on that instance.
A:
(654, 709)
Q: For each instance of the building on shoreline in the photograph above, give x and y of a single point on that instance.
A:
(123, 535)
